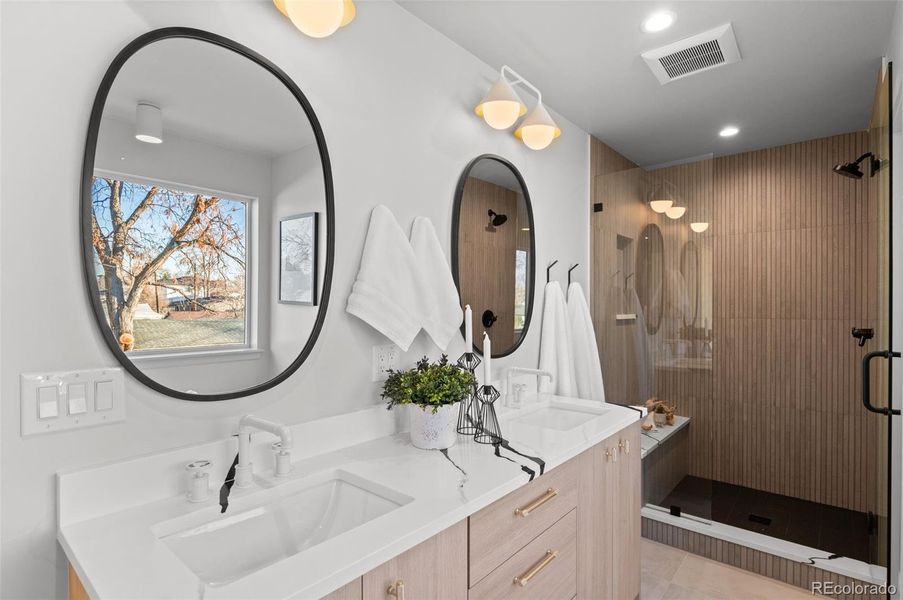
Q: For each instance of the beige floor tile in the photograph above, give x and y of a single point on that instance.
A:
(660, 560)
(652, 587)
(718, 580)
(676, 592)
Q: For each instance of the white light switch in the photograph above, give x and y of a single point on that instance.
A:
(78, 402)
(48, 402)
(71, 399)
(103, 395)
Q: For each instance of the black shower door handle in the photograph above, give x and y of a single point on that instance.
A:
(866, 388)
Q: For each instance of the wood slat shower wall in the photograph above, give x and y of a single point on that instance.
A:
(795, 253)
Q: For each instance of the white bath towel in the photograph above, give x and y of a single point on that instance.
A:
(387, 289)
(440, 307)
(587, 367)
(555, 344)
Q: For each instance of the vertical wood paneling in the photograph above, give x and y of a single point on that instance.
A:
(797, 262)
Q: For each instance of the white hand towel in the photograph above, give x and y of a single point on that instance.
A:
(440, 307)
(555, 344)
(386, 291)
(587, 367)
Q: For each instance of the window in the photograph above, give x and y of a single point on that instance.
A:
(520, 289)
(171, 265)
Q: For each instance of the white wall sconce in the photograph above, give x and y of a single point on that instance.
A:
(699, 227)
(661, 198)
(317, 18)
(148, 123)
(502, 107)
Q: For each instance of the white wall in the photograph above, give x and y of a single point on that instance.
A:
(395, 101)
(895, 54)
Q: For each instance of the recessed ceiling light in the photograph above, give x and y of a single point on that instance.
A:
(658, 21)
(729, 131)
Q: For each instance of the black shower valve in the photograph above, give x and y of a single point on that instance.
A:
(863, 335)
(488, 318)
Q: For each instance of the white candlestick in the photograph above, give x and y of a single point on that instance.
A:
(487, 359)
(468, 329)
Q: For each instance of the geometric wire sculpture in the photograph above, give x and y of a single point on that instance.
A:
(469, 422)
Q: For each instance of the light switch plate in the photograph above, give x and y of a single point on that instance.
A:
(77, 393)
(385, 358)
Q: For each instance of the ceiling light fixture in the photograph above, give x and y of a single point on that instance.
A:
(148, 123)
(676, 212)
(659, 21)
(317, 18)
(729, 131)
(502, 107)
(699, 227)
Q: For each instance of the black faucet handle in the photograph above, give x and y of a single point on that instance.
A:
(863, 335)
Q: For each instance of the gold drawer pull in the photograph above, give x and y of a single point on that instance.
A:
(525, 511)
(396, 590)
(624, 446)
(523, 580)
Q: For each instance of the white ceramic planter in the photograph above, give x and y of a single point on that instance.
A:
(434, 431)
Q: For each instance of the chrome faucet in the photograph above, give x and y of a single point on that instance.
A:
(244, 468)
(515, 370)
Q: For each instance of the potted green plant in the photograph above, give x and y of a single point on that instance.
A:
(434, 389)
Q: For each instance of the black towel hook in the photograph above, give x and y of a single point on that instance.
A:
(549, 270)
(569, 273)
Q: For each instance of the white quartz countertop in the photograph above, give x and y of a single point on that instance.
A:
(110, 541)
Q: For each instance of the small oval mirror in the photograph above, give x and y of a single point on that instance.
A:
(650, 275)
(207, 216)
(493, 250)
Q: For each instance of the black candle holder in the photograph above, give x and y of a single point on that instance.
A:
(490, 431)
(469, 412)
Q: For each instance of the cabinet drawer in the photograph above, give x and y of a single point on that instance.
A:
(507, 525)
(545, 569)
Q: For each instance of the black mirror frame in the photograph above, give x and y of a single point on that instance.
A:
(85, 209)
(531, 267)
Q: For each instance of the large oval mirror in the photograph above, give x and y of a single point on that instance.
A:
(207, 216)
(689, 269)
(650, 275)
(493, 251)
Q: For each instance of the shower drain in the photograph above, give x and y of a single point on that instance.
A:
(759, 519)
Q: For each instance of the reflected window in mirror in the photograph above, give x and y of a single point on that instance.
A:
(493, 253)
(170, 264)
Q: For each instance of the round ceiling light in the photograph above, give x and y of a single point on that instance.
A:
(729, 131)
(659, 21)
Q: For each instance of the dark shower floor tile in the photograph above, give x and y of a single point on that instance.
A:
(827, 528)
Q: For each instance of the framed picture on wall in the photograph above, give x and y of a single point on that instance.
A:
(298, 259)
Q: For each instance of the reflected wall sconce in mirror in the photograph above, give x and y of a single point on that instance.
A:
(317, 18)
(699, 227)
(502, 107)
(675, 212)
(496, 220)
(662, 198)
(148, 123)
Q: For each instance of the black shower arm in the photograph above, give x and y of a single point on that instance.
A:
(866, 384)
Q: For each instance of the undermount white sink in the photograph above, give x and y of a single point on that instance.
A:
(561, 415)
(264, 528)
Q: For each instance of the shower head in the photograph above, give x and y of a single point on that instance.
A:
(852, 170)
(496, 219)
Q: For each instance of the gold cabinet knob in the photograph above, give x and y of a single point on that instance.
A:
(624, 446)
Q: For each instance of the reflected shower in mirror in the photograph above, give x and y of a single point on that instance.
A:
(203, 225)
(493, 253)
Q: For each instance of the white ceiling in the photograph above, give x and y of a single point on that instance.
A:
(809, 67)
(211, 94)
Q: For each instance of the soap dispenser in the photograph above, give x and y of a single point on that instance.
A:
(198, 480)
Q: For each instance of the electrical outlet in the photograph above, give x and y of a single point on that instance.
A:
(384, 358)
